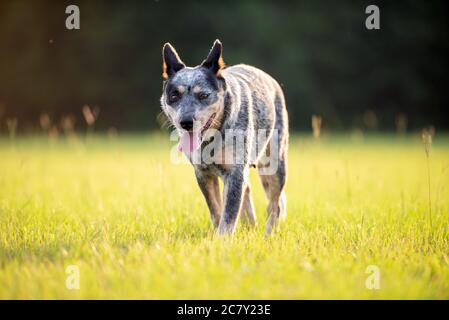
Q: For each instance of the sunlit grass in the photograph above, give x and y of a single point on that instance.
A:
(137, 226)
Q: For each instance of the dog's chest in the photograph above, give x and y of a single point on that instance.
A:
(212, 169)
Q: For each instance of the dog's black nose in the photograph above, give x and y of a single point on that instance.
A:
(186, 123)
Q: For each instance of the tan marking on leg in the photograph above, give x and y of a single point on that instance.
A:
(248, 213)
(276, 201)
(216, 205)
(211, 190)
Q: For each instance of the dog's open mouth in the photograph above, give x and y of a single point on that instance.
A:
(191, 140)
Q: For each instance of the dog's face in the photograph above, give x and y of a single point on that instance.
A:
(193, 98)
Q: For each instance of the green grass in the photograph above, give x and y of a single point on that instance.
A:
(137, 226)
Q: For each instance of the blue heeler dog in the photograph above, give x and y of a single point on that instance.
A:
(235, 103)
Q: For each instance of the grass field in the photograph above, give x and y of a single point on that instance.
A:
(137, 226)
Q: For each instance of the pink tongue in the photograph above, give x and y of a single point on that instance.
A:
(189, 142)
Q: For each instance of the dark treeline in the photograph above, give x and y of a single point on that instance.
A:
(320, 51)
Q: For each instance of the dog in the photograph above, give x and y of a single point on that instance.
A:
(240, 102)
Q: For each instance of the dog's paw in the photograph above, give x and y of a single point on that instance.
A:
(225, 229)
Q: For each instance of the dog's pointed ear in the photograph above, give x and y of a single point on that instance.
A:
(214, 60)
(171, 61)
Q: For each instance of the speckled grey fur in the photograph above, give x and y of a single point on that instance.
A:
(243, 98)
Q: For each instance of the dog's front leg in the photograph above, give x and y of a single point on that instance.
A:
(234, 187)
(211, 190)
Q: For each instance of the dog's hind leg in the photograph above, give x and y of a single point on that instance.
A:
(248, 212)
(277, 201)
(211, 190)
(273, 172)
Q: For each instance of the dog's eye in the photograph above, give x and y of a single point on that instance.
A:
(174, 96)
(203, 95)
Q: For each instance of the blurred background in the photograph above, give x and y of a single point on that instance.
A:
(328, 63)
